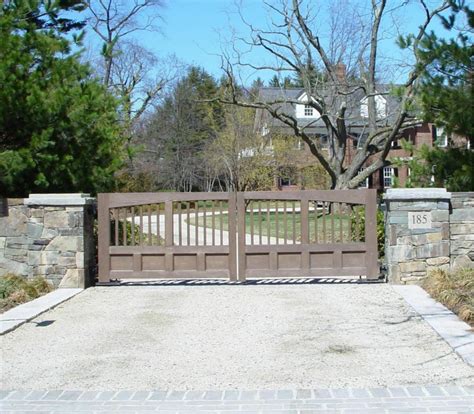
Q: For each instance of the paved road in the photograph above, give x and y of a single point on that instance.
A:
(412, 399)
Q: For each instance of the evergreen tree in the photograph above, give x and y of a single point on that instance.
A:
(181, 127)
(446, 90)
(58, 126)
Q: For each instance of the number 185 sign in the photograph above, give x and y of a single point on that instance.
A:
(419, 220)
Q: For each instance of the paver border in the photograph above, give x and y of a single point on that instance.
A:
(12, 319)
(411, 399)
(458, 334)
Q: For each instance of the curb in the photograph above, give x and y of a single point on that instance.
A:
(458, 334)
(21, 314)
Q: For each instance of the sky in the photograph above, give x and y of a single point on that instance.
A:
(195, 31)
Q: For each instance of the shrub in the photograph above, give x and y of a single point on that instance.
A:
(15, 290)
(453, 289)
(358, 227)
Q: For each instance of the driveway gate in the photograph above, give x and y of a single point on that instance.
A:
(237, 236)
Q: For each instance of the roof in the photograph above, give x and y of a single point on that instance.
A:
(354, 121)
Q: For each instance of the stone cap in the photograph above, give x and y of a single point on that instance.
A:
(394, 194)
(66, 199)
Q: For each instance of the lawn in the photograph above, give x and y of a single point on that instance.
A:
(288, 225)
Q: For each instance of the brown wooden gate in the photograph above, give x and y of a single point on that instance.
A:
(307, 233)
(237, 236)
(166, 235)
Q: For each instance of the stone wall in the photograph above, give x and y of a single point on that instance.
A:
(427, 228)
(461, 227)
(49, 235)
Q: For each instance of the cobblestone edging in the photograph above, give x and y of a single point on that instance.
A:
(411, 399)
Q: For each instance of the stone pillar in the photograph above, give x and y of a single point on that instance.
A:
(416, 233)
(60, 238)
(14, 243)
(462, 230)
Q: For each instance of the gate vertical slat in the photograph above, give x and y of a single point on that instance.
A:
(158, 223)
(316, 219)
(116, 219)
(140, 231)
(180, 224)
(124, 227)
(204, 219)
(188, 235)
(240, 236)
(277, 227)
(221, 222)
(232, 212)
(132, 212)
(293, 214)
(150, 242)
(196, 223)
(213, 223)
(251, 223)
(169, 236)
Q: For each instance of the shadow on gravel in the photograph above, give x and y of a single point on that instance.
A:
(224, 282)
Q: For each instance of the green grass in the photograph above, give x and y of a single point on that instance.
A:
(275, 223)
(15, 290)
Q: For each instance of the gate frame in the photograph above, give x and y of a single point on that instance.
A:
(237, 247)
(107, 201)
(366, 197)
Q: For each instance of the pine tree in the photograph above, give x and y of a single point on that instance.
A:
(58, 126)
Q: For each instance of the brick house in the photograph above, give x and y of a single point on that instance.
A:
(356, 116)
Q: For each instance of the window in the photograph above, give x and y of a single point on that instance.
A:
(380, 107)
(305, 108)
(299, 145)
(441, 137)
(365, 183)
(288, 176)
(389, 174)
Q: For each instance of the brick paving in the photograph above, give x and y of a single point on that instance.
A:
(413, 399)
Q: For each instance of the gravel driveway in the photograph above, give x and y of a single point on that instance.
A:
(225, 337)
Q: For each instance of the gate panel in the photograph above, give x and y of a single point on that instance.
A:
(280, 234)
(166, 235)
(307, 233)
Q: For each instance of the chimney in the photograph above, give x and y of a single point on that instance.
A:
(341, 72)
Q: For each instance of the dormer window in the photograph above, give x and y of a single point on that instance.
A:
(304, 109)
(308, 110)
(380, 107)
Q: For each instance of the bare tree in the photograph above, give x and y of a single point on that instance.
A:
(114, 20)
(136, 75)
(139, 77)
(294, 43)
(238, 159)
